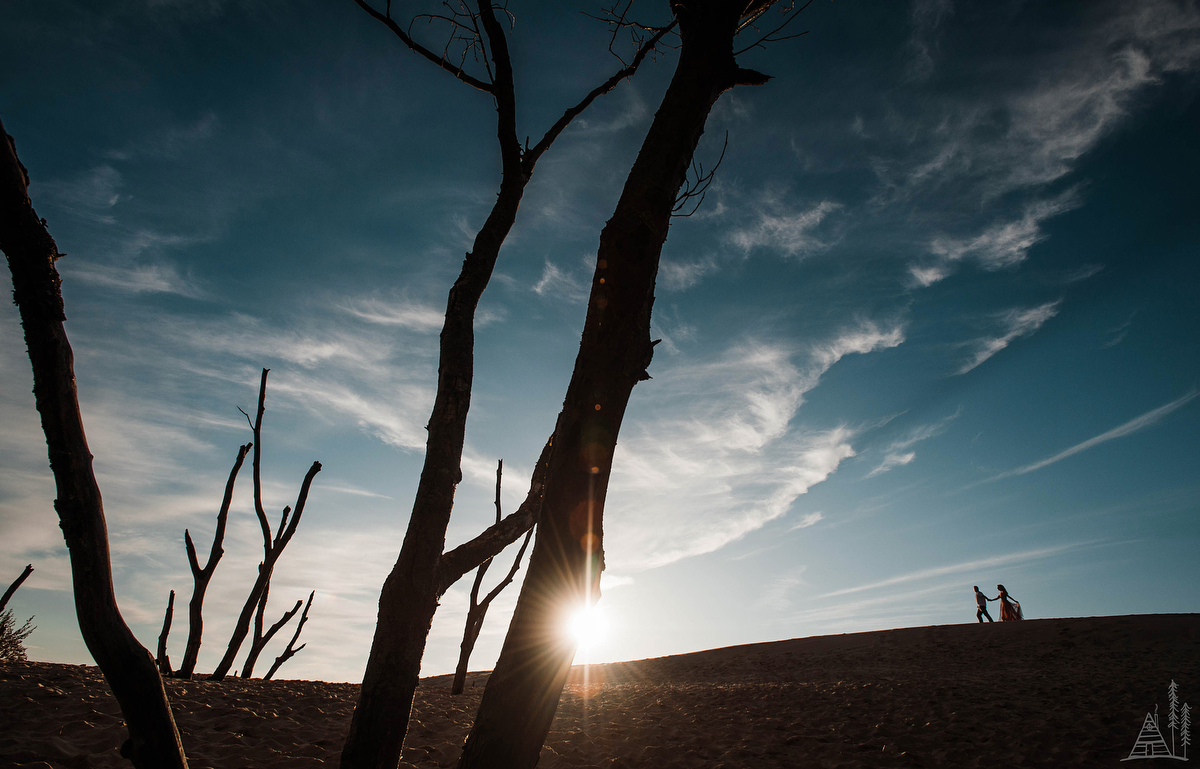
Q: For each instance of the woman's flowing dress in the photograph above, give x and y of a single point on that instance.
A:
(1009, 610)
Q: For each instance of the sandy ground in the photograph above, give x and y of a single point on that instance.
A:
(1046, 693)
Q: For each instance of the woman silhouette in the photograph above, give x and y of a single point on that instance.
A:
(1009, 609)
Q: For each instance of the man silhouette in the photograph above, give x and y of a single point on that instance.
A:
(981, 601)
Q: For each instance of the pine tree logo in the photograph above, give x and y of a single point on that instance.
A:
(1150, 742)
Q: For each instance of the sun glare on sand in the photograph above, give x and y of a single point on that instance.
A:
(589, 628)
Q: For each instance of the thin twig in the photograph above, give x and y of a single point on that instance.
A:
(698, 187)
(440, 61)
(772, 36)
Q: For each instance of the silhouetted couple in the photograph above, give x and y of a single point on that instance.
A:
(1009, 608)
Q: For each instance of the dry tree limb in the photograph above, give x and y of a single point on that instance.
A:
(16, 584)
(523, 691)
(272, 546)
(127, 665)
(408, 599)
(259, 639)
(696, 184)
(457, 562)
(291, 649)
(477, 610)
(202, 576)
(162, 660)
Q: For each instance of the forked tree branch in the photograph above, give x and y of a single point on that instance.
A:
(504, 92)
(290, 652)
(773, 36)
(421, 50)
(272, 548)
(531, 156)
(202, 576)
(457, 562)
(477, 610)
(697, 187)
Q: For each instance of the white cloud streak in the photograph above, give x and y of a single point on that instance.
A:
(558, 283)
(957, 568)
(720, 456)
(784, 230)
(410, 315)
(1006, 244)
(896, 456)
(143, 279)
(1132, 426)
(1017, 323)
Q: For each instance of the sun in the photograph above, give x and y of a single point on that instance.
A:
(588, 627)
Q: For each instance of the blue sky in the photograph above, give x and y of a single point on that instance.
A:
(934, 325)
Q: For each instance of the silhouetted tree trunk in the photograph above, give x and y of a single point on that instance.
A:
(477, 609)
(272, 548)
(409, 596)
(163, 661)
(202, 576)
(523, 690)
(127, 666)
(291, 649)
(259, 640)
(17, 583)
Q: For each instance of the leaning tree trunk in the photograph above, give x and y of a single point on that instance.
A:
(17, 583)
(523, 691)
(202, 576)
(127, 666)
(163, 661)
(411, 591)
(409, 596)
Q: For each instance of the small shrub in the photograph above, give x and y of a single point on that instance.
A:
(12, 646)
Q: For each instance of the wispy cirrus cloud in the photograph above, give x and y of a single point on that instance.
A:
(807, 520)
(410, 315)
(927, 16)
(957, 568)
(157, 278)
(172, 141)
(91, 195)
(1132, 426)
(1118, 333)
(1002, 245)
(1016, 323)
(721, 454)
(559, 283)
(784, 229)
(893, 459)
(895, 454)
(681, 275)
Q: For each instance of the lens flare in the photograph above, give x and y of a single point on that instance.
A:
(588, 627)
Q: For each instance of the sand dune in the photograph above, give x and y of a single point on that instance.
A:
(1047, 693)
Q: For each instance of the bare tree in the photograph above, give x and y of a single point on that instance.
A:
(162, 660)
(127, 665)
(408, 598)
(477, 609)
(272, 546)
(15, 584)
(260, 639)
(202, 576)
(523, 690)
(12, 638)
(291, 648)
